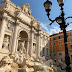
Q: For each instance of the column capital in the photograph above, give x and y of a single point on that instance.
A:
(16, 22)
(4, 16)
(32, 30)
(38, 34)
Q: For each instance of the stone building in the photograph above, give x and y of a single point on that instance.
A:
(57, 48)
(20, 30)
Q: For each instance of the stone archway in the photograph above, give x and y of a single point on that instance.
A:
(22, 41)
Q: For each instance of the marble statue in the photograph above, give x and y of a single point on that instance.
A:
(6, 42)
(26, 9)
(19, 55)
(22, 47)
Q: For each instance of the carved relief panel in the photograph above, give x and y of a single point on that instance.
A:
(9, 27)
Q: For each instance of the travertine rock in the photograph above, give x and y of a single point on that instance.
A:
(7, 65)
(28, 65)
(62, 64)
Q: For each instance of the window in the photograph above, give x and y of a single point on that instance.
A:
(71, 46)
(43, 51)
(54, 48)
(54, 38)
(50, 54)
(54, 54)
(71, 34)
(60, 54)
(59, 47)
(59, 42)
(54, 43)
(71, 40)
(71, 57)
(59, 37)
(47, 51)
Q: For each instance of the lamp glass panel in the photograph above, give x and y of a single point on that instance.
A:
(47, 6)
(60, 1)
(59, 21)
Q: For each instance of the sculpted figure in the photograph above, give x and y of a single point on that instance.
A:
(22, 47)
(19, 55)
(26, 9)
(22, 50)
(6, 42)
(16, 57)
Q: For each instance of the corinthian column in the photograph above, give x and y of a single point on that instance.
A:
(45, 48)
(14, 38)
(28, 46)
(2, 30)
(31, 43)
(49, 47)
(38, 45)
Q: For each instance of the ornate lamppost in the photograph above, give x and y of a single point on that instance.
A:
(61, 20)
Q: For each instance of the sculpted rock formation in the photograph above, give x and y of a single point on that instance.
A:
(7, 65)
(22, 62)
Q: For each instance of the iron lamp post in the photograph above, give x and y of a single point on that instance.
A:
(61, 20)
(47, 6)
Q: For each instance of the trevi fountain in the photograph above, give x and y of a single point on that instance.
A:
(24, 47)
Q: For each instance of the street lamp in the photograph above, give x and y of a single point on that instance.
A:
(47, 6)
(61, 2)
(61, 20)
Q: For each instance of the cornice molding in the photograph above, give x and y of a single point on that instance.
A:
(6, 7)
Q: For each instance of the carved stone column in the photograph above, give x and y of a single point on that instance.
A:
(2, 30)
(16, 45)
(28, 46)
(31, 42)
(14, 38)
(49, 47)
(45, 48)
(41, 46)
(38, 45)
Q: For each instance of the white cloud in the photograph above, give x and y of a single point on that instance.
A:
(69, 27)
(44, 27)
(54, 29)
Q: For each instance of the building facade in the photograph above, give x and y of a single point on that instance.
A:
(18, 28)
(57, 48)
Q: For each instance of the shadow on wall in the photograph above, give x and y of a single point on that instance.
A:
(45, 52)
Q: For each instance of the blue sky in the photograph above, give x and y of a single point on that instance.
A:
(39, 13)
